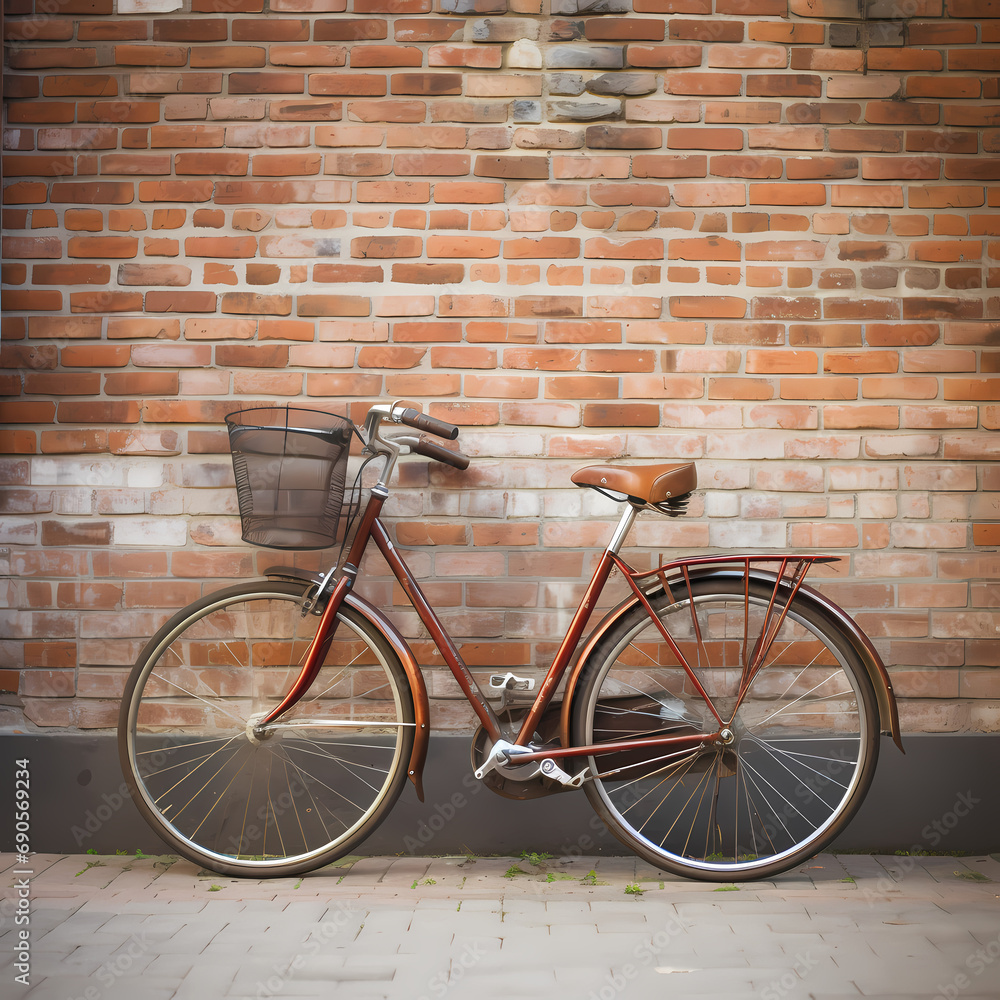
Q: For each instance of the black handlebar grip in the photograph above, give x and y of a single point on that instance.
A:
(430, 424)
(430, 449)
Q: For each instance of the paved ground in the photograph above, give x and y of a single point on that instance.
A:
(103, 928)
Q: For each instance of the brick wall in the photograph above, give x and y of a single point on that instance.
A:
(760, 234)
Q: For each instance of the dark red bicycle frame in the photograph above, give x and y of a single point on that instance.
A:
(372, 528)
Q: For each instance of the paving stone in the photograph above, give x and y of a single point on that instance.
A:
(907, 927)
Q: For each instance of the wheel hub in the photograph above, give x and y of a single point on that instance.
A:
(253, 733)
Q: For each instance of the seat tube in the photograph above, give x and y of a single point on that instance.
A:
(575, 631)
(624, 527)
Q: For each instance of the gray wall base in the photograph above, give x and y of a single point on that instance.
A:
(940, 796)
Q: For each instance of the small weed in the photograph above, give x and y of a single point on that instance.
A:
(973, 876)
(513, 872)
(215, 888)
(591, 878)
(558, 877)
(459, 907)
(634, 889)
(535, 858)
(426, 881)
(91, 850)
(139, 854)
(727, 888)
(90, 864)
(848, 878)
(297, 884)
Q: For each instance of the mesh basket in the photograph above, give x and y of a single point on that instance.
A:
(291, 469)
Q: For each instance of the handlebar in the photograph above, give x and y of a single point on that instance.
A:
(422, 422)
(430, 449)
(413, 418)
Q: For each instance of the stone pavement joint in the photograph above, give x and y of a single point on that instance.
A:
(387, 928)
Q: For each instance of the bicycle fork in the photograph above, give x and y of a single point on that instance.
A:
(315, 654)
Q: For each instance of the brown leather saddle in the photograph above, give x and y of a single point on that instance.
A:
(666, 487)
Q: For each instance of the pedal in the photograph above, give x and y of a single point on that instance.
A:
(503, 759)
(511, 682)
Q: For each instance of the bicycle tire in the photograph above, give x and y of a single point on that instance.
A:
(805, 736)
(296, 799)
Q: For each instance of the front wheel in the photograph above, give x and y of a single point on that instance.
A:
(298, 795)
(800, 745)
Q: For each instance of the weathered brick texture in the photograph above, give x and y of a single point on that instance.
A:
(760, 234)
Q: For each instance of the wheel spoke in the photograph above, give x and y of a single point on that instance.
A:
(214, 706)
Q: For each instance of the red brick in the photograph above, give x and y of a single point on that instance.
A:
(501, 386)
(463, 247)
(428, 274)
(541, 359)
(141, 384)
(29, 58)
(390, 357)
(63, 533)
(432, 164)
(71, 274)
(349, 29)
(640, 249)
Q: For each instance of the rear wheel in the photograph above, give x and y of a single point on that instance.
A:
(799, 748)
(285, 800)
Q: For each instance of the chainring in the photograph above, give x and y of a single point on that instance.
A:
(512, 788)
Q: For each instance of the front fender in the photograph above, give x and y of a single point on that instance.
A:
(418, 689)
(860, 644)
(421, 706)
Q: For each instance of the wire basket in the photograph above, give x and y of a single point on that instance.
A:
(291, 471)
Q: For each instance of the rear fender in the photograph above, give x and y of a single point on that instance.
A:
(421, 706)
(860, 643)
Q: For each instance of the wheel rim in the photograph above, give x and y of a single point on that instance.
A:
(286, 796)
(761, 797)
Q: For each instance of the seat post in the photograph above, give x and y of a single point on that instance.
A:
(624, 526)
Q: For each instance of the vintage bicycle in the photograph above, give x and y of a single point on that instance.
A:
(723, 719)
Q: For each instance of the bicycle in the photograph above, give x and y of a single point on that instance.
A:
(723, 719)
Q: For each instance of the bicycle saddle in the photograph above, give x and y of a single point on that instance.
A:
(652, 484)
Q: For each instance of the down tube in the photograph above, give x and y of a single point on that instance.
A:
(442, 640)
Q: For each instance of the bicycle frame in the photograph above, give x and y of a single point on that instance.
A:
(786, 583)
